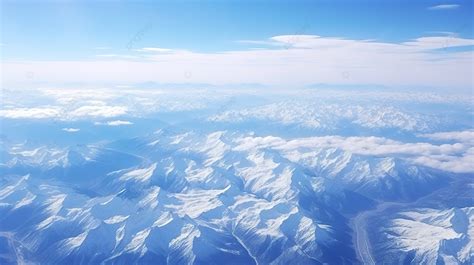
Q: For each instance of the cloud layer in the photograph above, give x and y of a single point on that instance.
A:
(281, 60)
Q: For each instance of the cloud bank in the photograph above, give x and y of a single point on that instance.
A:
(456, 157)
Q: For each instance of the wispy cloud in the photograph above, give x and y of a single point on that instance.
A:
(444, 7)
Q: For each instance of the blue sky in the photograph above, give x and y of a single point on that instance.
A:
(190, 33)
(65, 30)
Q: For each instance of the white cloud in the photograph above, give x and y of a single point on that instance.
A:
(287, 60)
(30, 113)
(427, 43)
(71, 130)
(458, 164)
(462, 136)
(444, 7)
(114, 123)
(456, 157)
(359, 145)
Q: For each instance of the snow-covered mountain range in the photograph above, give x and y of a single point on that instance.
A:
(185, 197)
